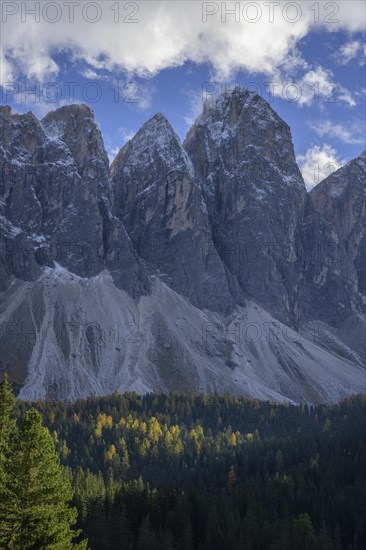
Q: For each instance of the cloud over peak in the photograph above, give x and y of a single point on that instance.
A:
(147, 37)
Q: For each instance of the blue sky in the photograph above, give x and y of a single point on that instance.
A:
(308, 61)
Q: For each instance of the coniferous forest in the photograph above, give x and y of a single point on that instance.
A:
(182, 471)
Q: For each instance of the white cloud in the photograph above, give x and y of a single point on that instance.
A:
(317, 163)
(142, 93)
(126, 134)
(316, 86)
(346, 96)
(353, 50)
(349, 51)
(134, 93)
(6, 68)
(196, 101)
(166, 35)
(354, 136)
(92, 74)
(112, 153)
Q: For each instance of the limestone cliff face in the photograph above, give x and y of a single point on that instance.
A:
(340, 199)
(55, 209)
(284, 255)
(203, 266)
(158, 197)
(56, 197)
(255, 195)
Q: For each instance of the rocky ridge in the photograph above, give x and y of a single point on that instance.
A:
(197, 266)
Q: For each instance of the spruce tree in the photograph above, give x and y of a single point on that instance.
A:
(147, 539)
(7, 424)
(7, 403)
(34, 509)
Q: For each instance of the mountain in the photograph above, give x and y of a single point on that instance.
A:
(340, 199)
(158, 198)
(197, 266)
(264, 223)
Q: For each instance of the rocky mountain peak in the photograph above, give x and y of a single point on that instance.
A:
(230, 105)
(158, 198)
(155, 146)
(189, 268)
(76, 127)
(255, 194)
(69, 114)
(21, 133)
(55, 191)
(340, 199)
(5, 110)
(238, 127)
(340, 181)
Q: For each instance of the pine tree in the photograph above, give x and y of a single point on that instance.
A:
(167, 541)
(231, 479)
(303, 534)
(34, 510)
(147, 539)
(7, 403)
(7, 424)
(186, 541)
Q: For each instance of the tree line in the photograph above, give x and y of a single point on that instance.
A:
(194, 471)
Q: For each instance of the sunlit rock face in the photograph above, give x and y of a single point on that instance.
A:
(158, 197)
(340, 198)
(265, 227)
